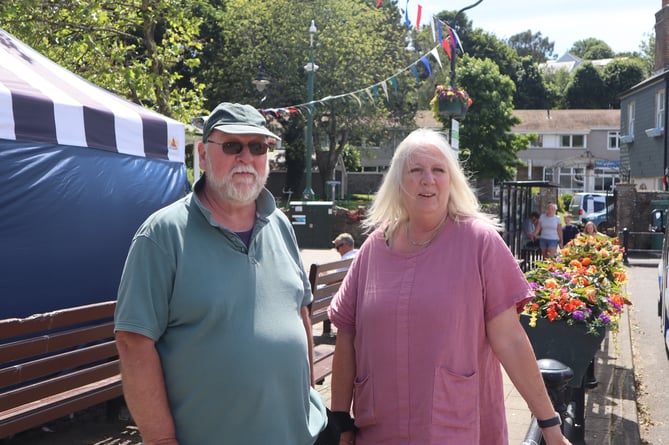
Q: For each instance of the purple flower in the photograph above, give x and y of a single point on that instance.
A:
(604, 318)
(578, 315)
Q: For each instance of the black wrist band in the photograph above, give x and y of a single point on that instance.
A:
(342, 420)
(555, 420)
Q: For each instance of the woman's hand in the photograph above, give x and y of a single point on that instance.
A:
(347, 438)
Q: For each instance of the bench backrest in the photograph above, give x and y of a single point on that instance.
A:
(49, 354)
(325, 281)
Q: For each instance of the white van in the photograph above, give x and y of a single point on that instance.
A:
(585, 203)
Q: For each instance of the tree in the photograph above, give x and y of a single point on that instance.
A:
(591, 49)
(621, 75)
(647, 49)
(536, 46)
(587, 89)
(485, 133)
(143, 50)
(356, 45)
(531, 92)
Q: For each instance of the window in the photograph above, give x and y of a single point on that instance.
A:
(659, 109)
(538, 142)
(630, 119)
(572, 141)
(614, 140)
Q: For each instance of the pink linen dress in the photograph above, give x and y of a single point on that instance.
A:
(425, 373)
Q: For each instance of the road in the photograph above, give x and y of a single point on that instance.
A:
(650, 361)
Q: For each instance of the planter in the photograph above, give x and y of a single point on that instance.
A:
(569, 344)
(453, 108)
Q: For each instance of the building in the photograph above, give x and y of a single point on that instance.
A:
(576, 149)
(643, 118)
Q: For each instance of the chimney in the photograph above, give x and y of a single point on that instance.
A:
(662, 37)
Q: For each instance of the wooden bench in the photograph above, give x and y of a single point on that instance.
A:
(325, 280)
(54, 364)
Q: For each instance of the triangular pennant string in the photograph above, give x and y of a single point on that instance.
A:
(375, 92)
(366, 92)
(378, 3)
(434, 31)
(418, 14)
(447, 47)
(406, 16)
(451, 37)
(457, 39)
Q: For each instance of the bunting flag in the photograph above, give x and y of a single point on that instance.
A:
(394, 82)
(457, 39)
(406, 15)
(427, 65)
(434, 35)
(418, 14)
(451, 37)
(415, 73)
(378, 3)
(384, 85)
(369, 93)
(435, 54)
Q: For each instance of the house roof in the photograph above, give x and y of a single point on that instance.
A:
(536, 121)
(552, 121)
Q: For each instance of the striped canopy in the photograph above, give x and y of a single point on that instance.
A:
(41, 101)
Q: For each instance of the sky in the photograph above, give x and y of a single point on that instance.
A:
(622, 24)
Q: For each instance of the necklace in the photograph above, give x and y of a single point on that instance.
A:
(426, 243)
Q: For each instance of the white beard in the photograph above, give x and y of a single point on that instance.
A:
(228, 189)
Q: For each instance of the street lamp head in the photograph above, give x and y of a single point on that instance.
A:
(261, 81)
(312, 28)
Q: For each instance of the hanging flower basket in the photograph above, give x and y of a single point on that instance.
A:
(450, 102)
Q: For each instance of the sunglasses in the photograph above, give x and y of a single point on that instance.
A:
(337, 246)
(234, 148)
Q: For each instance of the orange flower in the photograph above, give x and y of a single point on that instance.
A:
(550, 283)
(591, 293)
(586, 261)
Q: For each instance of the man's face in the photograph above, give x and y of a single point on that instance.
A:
(235, 177)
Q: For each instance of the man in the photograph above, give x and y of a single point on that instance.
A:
(569, 230)
(345, 246)
(528, 238)
(211, 323)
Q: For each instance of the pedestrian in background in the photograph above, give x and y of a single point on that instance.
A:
(345, 246)
(569, 230)
(212, 324)
(428, 311)
(549, 231)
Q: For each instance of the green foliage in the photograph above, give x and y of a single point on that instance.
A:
(591, 49)
(564, 201)
(485, 131)
(621, 75)
(647, 56)
(143, 50)
(587, 89)
(351, 156)
(537, 47)
(531, 91)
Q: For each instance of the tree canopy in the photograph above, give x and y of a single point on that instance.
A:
(534, 45)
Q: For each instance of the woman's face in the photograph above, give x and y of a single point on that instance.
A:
(426, 183)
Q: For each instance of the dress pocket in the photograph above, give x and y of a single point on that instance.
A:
(455, 400)
(363, 402)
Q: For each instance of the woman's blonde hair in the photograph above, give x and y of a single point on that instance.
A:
(388, 208)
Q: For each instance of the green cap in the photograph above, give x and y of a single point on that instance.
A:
(236, 119)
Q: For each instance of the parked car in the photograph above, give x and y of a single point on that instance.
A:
(586, 203)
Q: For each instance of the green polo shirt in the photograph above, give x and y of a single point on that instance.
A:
(226, 321)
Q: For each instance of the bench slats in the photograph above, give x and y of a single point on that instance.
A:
(325, 280)
(55, 364)
(16, 327)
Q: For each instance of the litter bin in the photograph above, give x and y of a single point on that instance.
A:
(313, 223)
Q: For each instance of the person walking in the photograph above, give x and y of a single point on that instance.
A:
(212, 324)
(428, 311)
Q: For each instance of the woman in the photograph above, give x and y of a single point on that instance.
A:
(427, 312)
(549, 231)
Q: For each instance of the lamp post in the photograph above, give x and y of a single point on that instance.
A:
(310, 68)
(454, 126)
(261, 81)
